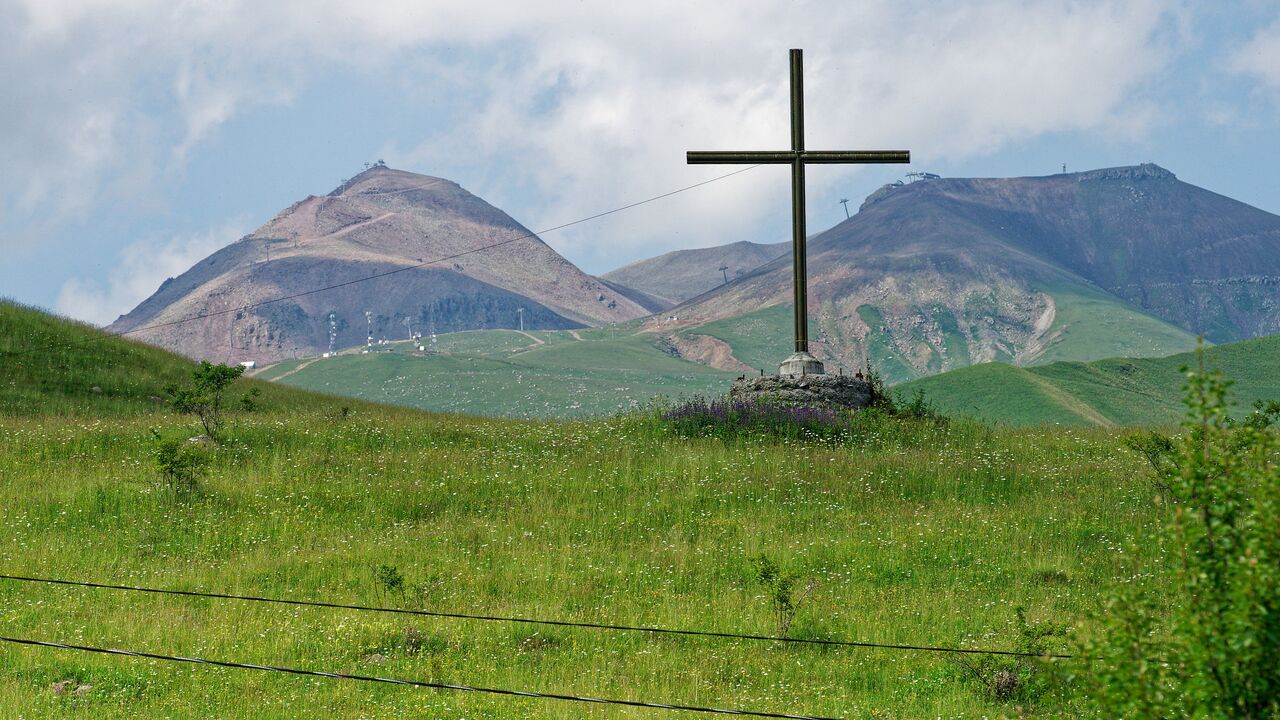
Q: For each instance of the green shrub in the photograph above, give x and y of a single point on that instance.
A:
(181, 463)
(883, 423)
(1215, 651)
(388, 580)
(780, 590)
(204, 398)
(1016, 678)
(249, 401)
(732, 419)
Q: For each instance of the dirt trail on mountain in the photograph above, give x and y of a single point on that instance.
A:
(300, 367)
(1070, 402)
(355, 226)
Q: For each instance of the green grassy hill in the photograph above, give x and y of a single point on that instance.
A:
(503, 373)
(1118, 391)
(924, 536)
(594, 372)
(1090, 325)
(761, 339)
(51, 366)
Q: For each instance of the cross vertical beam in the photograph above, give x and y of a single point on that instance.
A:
(797, 158)
(799, 268)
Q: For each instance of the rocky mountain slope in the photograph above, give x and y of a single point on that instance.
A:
(386, 223)
(945, 273)
(678, 276)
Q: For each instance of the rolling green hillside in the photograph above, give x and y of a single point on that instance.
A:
(1118, 391)
(503, 373)
(1090, 325)
(54, 366)
(600, 371)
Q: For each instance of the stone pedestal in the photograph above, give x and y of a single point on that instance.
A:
(822, 390)
(801, 364)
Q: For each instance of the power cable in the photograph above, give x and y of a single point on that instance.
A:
(414, 683)
(533, 621)
(375, 276)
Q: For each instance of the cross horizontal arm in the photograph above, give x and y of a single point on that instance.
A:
(783, 157)
(855, 156)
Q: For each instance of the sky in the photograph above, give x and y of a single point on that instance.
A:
(139, 136)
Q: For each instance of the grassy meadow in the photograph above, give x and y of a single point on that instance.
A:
(914, 534)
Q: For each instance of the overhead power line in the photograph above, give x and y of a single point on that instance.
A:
(413, 683)
(375, 276)
(532, 621)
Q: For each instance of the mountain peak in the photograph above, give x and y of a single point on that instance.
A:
(944, 272)
(370, 245)
(1127, 172)
(382, 179)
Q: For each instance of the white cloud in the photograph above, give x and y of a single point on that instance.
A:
(1260, 57)
(636, 89)
(140, 269)
(586, 107)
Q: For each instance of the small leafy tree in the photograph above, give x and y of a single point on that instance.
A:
(181, 465)
(780, 589)
(1216, 653)
(204, 398)
(389, 580)
(249, 401)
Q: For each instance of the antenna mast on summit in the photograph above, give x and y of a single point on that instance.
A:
(845, 203)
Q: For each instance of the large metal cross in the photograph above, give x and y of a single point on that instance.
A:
(797, 157)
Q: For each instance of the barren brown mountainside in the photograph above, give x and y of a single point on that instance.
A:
(944, 273)
(381, 221)
(677, 276)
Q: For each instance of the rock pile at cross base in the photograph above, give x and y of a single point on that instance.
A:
(821, 390)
